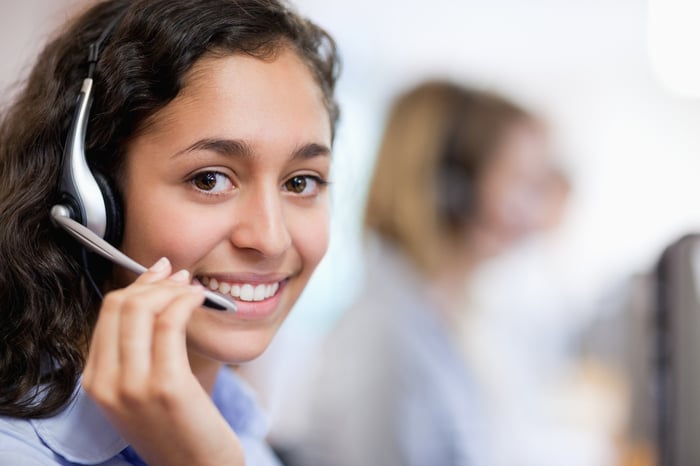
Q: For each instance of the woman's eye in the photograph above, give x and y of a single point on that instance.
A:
(304, 184)
(211, 182)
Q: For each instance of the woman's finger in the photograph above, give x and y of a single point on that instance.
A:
(169, 356)
(102, 364)
(113, 343)
(157, 271)
(137, 319)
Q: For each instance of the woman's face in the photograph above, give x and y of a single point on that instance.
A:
(228, 183)
(512, 187)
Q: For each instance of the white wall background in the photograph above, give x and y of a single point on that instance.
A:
(24, 28)
(631, 146)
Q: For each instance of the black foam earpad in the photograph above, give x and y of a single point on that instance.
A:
(113, 208)
(456, 194)
(456, 173)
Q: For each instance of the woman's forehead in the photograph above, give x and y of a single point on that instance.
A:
(240, 91)
(267, 107)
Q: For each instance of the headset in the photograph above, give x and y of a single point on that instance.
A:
(87, 194)
(90, 209)
(457, 196)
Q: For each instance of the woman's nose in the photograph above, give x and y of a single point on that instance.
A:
(261, 225)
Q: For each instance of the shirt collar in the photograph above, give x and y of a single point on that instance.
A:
(238, 405)
(81, 434)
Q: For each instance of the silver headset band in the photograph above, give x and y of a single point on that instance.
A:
(77, 179)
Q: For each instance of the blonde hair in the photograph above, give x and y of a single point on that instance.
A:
(435, 129)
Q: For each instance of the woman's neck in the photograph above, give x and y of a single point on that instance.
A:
(205, 370)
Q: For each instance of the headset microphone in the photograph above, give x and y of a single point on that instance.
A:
(90, 210)
(60, 215)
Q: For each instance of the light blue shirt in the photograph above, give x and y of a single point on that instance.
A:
(390, 387)
(81, 435)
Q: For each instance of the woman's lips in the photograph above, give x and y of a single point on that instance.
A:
(255, 301)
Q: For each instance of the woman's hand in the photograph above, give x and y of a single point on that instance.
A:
(137, 371)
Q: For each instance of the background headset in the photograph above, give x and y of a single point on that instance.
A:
(89, 208)
(457, 196)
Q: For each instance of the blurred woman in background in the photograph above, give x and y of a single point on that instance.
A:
(458, 179)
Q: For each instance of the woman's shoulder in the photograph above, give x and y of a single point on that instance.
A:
(78, 434)
(20, 444)
(15, 429)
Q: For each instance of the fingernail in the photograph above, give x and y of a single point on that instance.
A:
(161, 265)
(182, 276)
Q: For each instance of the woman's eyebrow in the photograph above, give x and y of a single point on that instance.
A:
(229, 147)
(311, 150)
(238, 148)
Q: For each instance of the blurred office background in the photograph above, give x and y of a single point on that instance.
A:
(626, 139)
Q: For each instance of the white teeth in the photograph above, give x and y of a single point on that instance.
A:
(247, 292)
(224, 288)
(213, 284)
(244, 292)
(259, 293)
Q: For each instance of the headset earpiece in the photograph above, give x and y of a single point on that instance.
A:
(456, 191)
(113, 207)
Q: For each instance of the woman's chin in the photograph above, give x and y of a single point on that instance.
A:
(233, 347)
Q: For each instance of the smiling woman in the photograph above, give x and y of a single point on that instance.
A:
(259, 128)
(210, 137)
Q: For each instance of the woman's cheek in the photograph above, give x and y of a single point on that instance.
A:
(185, 235)
(310, 233)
